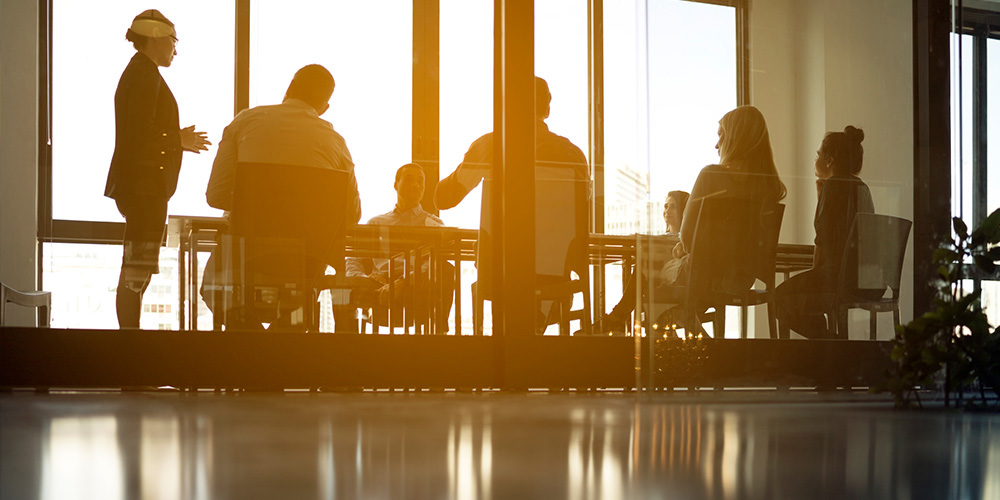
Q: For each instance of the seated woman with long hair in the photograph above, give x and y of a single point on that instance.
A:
(745, 171)
(803, 299)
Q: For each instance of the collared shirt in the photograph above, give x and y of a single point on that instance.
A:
(414, 217)
(290, 133)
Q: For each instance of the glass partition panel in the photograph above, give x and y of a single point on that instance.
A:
(962, 120)
(368, 47)
(83, 279)
(83, 92)
(669, 75)
(993, 124)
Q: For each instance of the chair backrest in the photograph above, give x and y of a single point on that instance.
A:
(873, 256)
(562, 225)
(290, 219)
(735, 242)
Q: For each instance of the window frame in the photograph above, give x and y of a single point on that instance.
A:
(981, 25)
(425, 113)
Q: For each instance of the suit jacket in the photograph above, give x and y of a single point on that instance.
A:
(147, 158)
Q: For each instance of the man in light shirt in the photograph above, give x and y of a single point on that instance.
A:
(409, 186)
(290, 133)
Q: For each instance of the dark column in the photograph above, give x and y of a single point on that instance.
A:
(932, 142)
(242, 63)
(426, 94)
(514, 173)
(595, 36)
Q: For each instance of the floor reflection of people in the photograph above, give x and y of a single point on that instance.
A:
(290, 133)
(803, 299)
(409, 187)
(618, 318)
(146, 163)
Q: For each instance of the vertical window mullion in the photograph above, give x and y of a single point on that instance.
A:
(242, 66)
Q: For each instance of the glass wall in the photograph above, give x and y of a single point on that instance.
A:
(89, 52)
(368, 47)
(975, 74)
(671, 70)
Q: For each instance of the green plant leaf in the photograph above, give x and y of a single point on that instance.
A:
(944, 273)
(988, 231)
(985, 264)
(945, 256)
(960, 228)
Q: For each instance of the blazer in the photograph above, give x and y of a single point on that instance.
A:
(147, 157)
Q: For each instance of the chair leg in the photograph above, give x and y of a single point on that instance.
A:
(718, 322)
(477, 312)
(895, 319)
(872, 325)
(743, 319)
(564, 317)
(772, 318)
(842, 330)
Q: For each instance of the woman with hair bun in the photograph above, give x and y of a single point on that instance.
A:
(803, 299)
(147, 157)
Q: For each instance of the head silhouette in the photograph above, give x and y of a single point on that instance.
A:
(673, 209)
(312, 84)
(542, 98)
(745, 145)
(409, 186)
(843, 151)
(152, 34)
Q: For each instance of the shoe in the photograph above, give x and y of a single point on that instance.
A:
(612, 323)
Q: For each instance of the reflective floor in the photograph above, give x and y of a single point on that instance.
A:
(723, 444)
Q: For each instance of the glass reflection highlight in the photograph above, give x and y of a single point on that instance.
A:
(477, 448)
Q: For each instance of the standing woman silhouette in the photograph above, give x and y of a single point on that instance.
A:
(147, 158)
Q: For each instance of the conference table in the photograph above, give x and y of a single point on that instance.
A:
(192, 235)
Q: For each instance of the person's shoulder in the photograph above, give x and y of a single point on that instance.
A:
(484, 142)
(561, 140)
(140, 68)
(385, 219)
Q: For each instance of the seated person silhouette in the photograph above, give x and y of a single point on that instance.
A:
(746, 172)
(553, 153)
(803, 299)
(618, 318)
(290, 133)
(409, 186)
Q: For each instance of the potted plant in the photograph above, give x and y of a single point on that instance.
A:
(953, 344)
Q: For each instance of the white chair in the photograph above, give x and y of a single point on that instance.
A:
(41, 300)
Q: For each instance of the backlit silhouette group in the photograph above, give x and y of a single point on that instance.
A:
(149, 143)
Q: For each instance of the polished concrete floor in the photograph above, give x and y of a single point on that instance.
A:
(443, 445)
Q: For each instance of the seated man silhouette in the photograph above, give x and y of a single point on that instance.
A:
(290, 133)
(552, 151)
(409, 186)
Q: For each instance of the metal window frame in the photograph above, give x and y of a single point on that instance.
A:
(425, 114)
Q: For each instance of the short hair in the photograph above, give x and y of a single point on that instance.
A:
(681, 197)
(399, 171)
(845, 149)
(313, 84)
